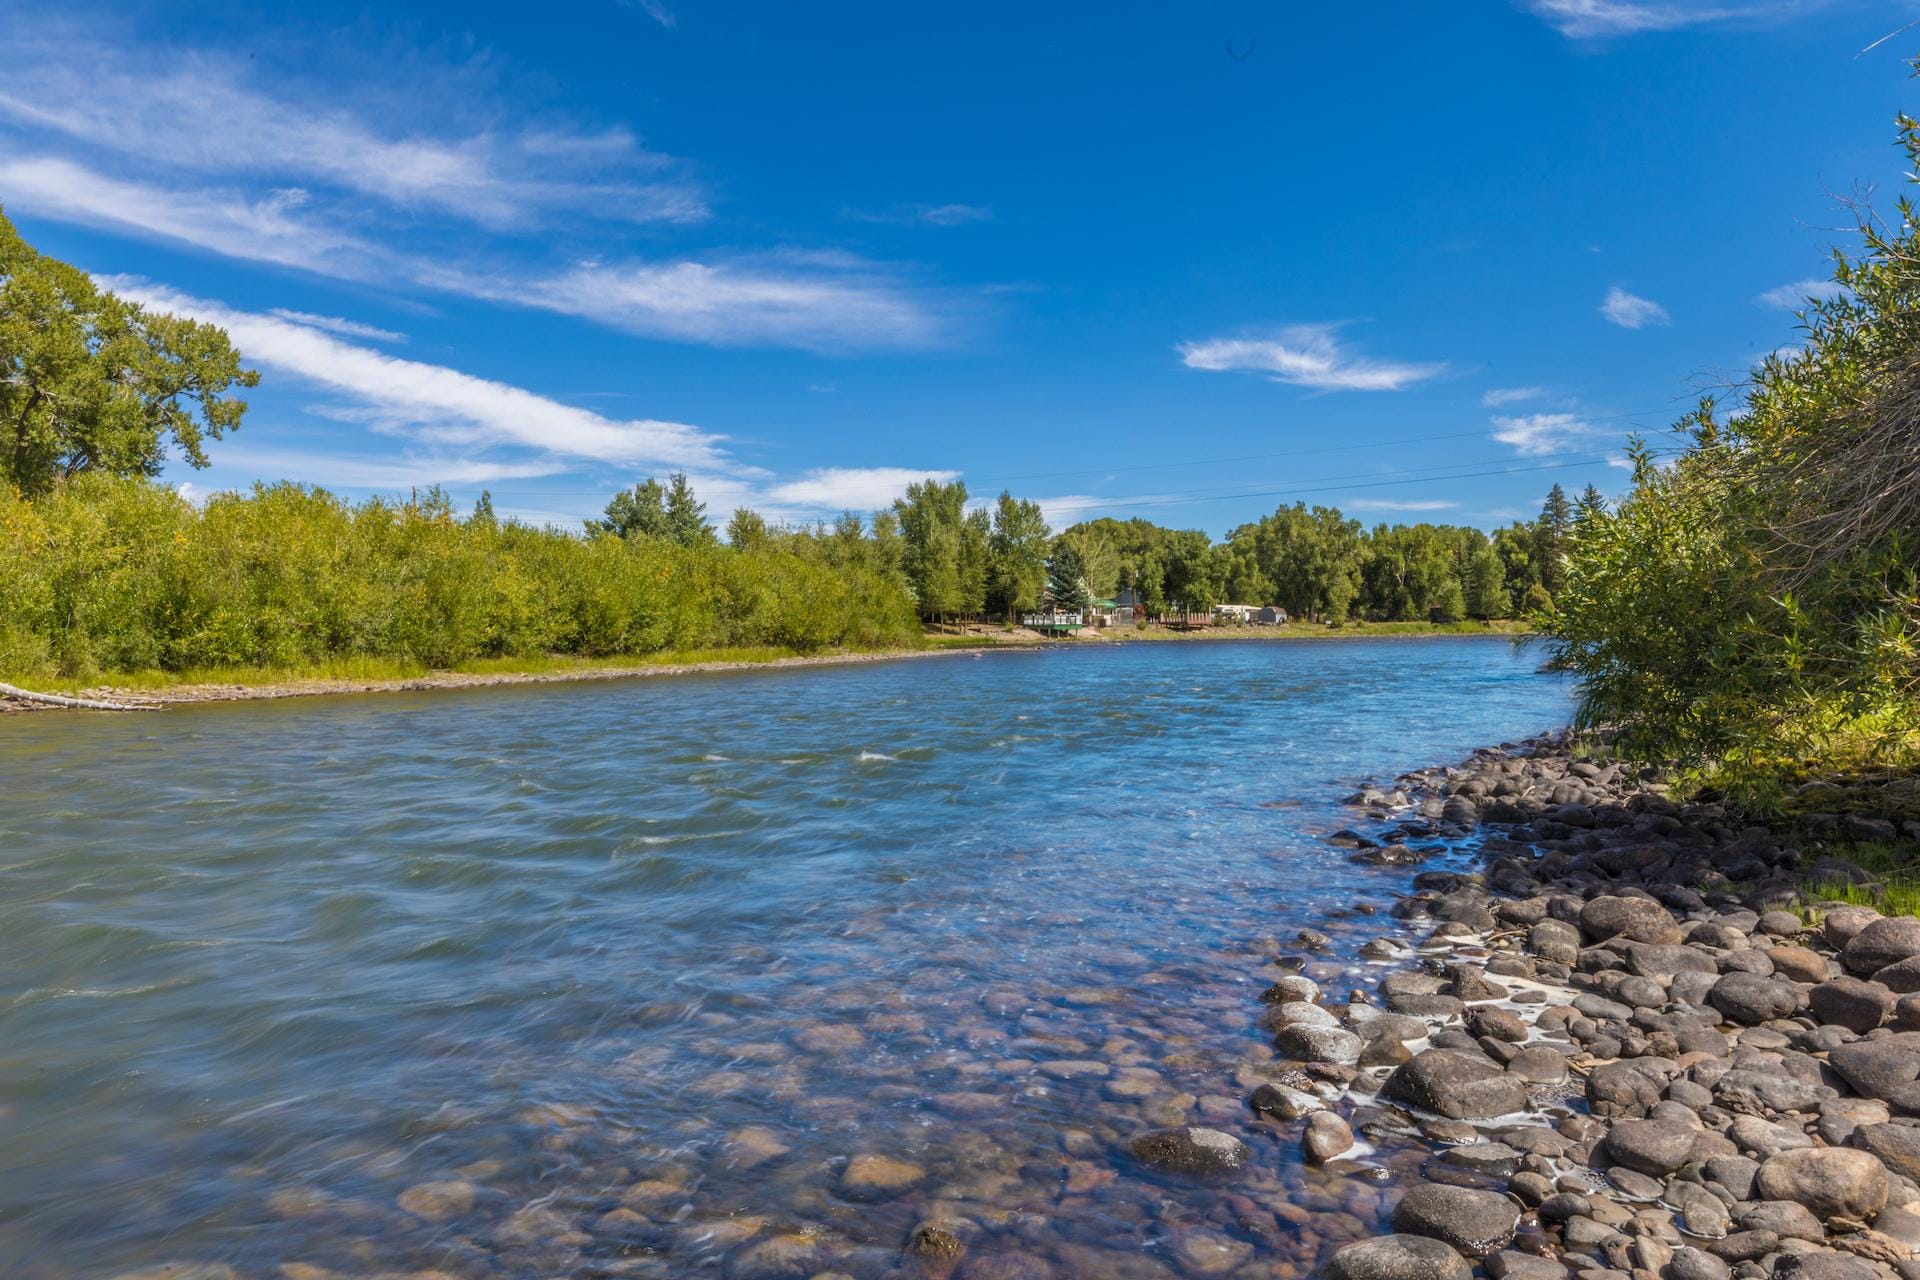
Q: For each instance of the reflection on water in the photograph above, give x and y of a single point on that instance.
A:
(756, 974)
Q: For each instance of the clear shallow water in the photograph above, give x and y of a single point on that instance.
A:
(639, 967)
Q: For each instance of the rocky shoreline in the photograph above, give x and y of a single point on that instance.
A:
(1615, 1053)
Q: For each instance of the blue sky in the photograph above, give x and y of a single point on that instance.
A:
(1183, 262)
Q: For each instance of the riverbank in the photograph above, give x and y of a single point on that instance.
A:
(154, 689)
(1632, 1041)
(161, 689)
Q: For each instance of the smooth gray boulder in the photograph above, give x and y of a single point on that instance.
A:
(1834, 1182)
(1897, 1146)
(1474, 1222)
(1460, 1086)
(1637, 919)
(1396, 1257)
(1750, 999)
(1327, 1137)
(1853, 1003)
(1312, 1043)
(1878, 1067)
(1653, 1147)
(1886, 941)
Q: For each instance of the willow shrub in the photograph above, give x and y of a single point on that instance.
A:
(1753, 602)
(100, 576)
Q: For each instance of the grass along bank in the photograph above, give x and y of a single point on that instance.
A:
(154, 688)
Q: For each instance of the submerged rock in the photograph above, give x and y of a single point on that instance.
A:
(1190, 1149)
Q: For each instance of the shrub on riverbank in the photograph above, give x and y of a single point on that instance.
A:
(1754, 603)
(103, 575)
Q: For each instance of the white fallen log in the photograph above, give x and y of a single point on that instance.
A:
(62, 700)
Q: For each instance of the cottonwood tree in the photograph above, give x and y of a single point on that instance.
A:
(92, 383)
(747, 530)
(1017, 556)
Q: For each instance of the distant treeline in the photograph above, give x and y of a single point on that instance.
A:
(1315, 562)
(104, 570)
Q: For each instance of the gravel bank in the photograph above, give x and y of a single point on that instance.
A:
(1624, 1058)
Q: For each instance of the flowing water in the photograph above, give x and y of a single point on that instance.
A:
(634, 979)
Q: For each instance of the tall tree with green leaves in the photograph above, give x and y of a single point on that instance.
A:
(747, 530)
(1017, 557)
(1193, 573)
(1067, 588)
(1099, 558)
(931, 516)
(1550, 534)
(1486, 594)
(639, 512)
(92, 383)
(686, 516)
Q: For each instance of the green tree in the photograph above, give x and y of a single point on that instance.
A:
(931, 516)
(747, 530)
(1486, 594)
(483, 510)
(1099, 559)
(685, 516)
(1193, 573)
(1067, 587)
(640, 512)
(92, 383)
(1017, 557)
(1550, 534)
(976, 561)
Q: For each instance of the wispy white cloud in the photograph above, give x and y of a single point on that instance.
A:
(1539, 433)
(1795, 296)
(834, 489)
(655, 10)
(270, 228)
(1500, 397)
(160, 109)
(814, 301)
(1589, 19)
(1630, 311)
(1390, 504)
(772, 299)
(335, 324)
(358, 471)
(436, 403)
(1306, 355)
(932, 215)
(198, 149)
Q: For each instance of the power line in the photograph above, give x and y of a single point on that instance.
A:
(1332, 488)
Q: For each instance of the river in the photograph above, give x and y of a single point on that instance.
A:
(748, 974)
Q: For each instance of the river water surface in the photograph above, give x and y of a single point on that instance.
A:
(747, 975)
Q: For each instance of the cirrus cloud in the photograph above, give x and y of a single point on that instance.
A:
(1306, 355)
(1630, 311)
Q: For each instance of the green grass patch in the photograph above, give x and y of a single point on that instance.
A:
(1893, 891)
